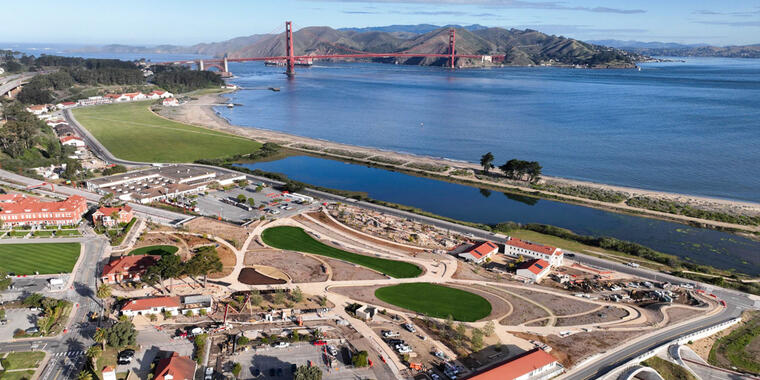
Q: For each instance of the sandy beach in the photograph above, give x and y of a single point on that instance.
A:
(199, 112)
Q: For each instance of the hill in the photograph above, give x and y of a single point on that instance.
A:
(521, 47)
(680, 50)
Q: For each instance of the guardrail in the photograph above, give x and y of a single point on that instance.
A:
(683, 339)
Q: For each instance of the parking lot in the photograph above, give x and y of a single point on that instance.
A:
(277, 363)
(151, 342)
(17, 319)
(266, 202)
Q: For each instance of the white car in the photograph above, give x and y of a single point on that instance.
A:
(282, 345)
(440, 355)
(332, 350)
(409, 327)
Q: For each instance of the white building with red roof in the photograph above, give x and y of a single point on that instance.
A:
(111, 216)
(171, 102)
(534, 270)
(25, 211)
(516, 247)
(134, 96)
(158, 94)
(127, 268)
(73, 140)
(175, 368)
(65, 105)
(151, 305)
(37, 109)
(535, 364)
(480, 252)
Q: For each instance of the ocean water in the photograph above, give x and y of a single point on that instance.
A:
(698, 245)
(689, 127)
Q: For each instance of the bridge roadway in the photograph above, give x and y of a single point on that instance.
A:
(736, 301)
(12, 81)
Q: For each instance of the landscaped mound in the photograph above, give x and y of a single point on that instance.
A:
(296, 239)
(436, 301)
(46, 258)
(160, 250)
(250, 276)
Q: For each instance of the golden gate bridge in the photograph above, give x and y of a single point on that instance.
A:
(290, 59)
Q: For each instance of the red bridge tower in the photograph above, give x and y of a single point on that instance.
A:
(452, 45)
(291, 61)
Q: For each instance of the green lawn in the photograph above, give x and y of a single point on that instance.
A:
(436, 301)
(155, 250)
(296, 239)
(668, 370)
(17, 375)
(131, 132)
(22, 360)
(45, 258)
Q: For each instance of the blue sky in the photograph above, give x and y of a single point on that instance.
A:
(191, 21)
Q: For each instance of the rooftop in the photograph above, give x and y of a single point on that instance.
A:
(151, 302)
(19, 205)
(516, 367)
(535, 247)
(481, 249)
(127, 263)
(536, 266)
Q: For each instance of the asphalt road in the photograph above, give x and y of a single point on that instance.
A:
(736, 301)
(66, 350)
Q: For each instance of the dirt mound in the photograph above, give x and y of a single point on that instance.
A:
(250, 276)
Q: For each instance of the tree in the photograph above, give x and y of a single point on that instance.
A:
(84, 374)
(279, 296)
(93, 353)
(5, 280)
(101, 336)
(122, 334)
(477, 340)
(255, 298)
(489, 328)
(241, 198)
(360, 359)
(104, 293)
(486, 161)
(242, 340)
(461, 330)
(171, 267)
(296, 295)
(251, 202)
(307, 373)
(205, 261)
(236, 368)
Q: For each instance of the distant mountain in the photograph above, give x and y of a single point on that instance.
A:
(520, 47)
(643, 45)
(412, 29)
(680, 50)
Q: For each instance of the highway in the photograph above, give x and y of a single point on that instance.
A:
(12, 81)
(737, 301)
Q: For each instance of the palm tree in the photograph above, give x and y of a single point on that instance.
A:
(93, 353)
(101, 336)
(84, 374)
(104, 293)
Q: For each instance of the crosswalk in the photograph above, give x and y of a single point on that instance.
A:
(70, 354)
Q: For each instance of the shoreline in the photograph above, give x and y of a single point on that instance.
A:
(200, 112)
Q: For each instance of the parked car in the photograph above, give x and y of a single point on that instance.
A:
(282, 345)
(409, 327)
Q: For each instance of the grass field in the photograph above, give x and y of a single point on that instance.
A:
(436, 301)
(131, 132)
(155, 250)
(45, 258)
(296, 239)
(17, 375)
(22, 360)
(669, 370)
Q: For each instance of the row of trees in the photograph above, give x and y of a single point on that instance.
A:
(40, 89)
(513, 169)
(182, 79)
(204, 261)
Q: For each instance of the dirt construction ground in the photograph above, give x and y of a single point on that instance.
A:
(226, 231)
(300, 267)
(574, 348)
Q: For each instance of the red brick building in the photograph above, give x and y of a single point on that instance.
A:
(24, 211)
(175, 368)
